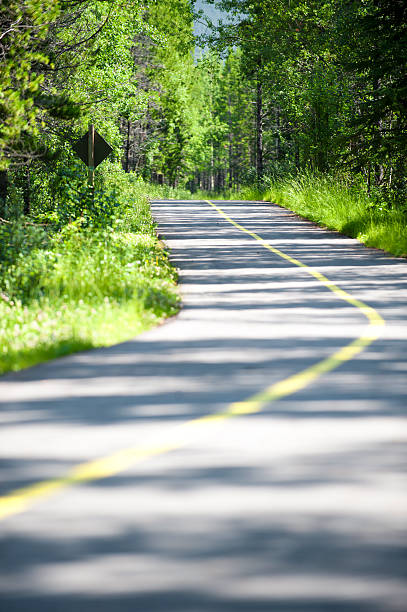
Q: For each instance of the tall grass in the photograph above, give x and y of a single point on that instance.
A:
(82, 287)
(333, 203)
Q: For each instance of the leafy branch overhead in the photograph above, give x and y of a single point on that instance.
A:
(277, 87)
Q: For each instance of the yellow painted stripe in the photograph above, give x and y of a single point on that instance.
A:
(299, 381)
(368, 311)
(21, 499)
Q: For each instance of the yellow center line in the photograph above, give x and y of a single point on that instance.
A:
(301, 380)
(21, 499)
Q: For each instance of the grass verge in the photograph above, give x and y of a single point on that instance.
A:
(332, 203)
(80, 287)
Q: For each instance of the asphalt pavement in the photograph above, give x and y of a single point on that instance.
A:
(164, 486)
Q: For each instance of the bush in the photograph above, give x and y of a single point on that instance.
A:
(17, 239)
(96, 280)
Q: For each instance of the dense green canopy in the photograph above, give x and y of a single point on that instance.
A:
(282, 86)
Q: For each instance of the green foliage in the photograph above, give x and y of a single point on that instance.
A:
(65, 62)
(17, 239)
(93, 206)
(82, 285)
(174, 139)
(334, 202)
(24, 26)
(287, 95)
(89, 264)
(330, 83)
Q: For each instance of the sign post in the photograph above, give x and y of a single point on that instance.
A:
(91, 156)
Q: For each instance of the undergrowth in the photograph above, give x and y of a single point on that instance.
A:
(334, 203)
(77, 285)
(93, 274)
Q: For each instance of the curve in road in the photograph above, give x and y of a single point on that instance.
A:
(20, 500)
(298, 507)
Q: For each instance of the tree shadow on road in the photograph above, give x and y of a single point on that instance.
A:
(215, 527)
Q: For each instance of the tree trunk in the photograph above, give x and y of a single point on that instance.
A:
(277, 140)
(297, 155)
(259, 130)
(128, 147)
(212, 177)
(27, 192)
(3, 191)
(230, 142)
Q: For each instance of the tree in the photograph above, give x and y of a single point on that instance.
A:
(64, 63)
(373, 39)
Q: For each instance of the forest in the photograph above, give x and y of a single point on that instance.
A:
(299, 102)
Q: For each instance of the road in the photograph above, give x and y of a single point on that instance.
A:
(247, 455)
